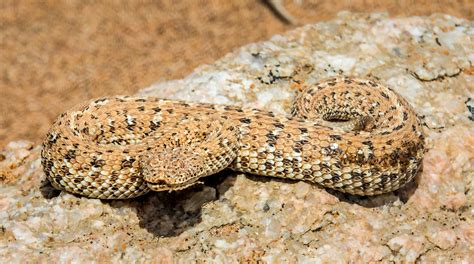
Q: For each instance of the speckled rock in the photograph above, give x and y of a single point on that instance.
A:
(234, 217)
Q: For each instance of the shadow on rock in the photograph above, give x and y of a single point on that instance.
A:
(168, 214)
(171, 213)
(47, 190)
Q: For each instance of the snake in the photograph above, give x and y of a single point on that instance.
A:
(349, 134)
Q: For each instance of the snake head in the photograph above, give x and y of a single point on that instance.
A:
(172, 169)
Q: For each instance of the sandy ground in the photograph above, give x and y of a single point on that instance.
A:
(55, 54)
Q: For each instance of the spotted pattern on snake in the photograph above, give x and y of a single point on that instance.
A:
(352, 135)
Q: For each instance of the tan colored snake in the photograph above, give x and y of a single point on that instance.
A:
(348, 134)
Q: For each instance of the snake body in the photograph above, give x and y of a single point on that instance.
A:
(352, 135)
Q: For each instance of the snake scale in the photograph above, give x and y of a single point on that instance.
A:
(352, 135)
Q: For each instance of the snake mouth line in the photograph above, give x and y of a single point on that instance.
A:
(162, 185)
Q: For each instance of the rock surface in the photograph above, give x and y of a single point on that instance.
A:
(235, 217)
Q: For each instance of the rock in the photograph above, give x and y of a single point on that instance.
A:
(409, 247)
(443, 237)
(235, 217)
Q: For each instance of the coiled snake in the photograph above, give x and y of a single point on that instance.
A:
(348, 134)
